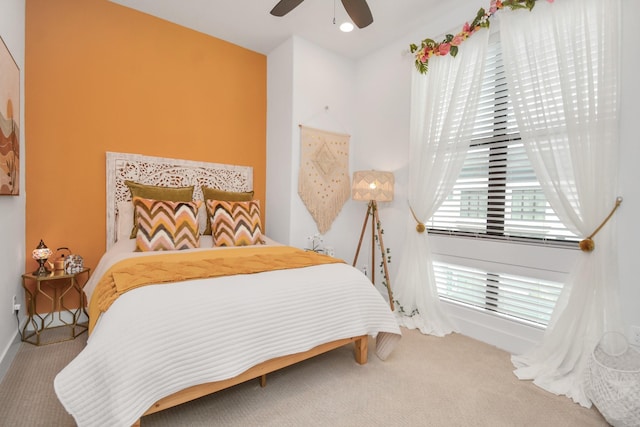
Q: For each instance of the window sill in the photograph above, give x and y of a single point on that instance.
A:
(536, 261)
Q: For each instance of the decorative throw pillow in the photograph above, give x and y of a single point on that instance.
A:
(165, 226)
(235, 223)
(209, 193)
(155, 192)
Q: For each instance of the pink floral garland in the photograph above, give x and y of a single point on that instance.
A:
(449, 46)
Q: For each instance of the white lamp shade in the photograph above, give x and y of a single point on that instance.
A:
(372, 185)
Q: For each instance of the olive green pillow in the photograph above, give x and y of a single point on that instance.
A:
(209, 193)
(155, 192)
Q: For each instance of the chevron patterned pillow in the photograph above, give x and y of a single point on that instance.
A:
(209, 193)
(235, 223)
(155, 192)
(166, 226)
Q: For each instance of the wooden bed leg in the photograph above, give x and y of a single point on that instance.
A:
(136, 424)
(361, 349)
(263, 380)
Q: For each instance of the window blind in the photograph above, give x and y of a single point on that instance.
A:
(497, 194)
(521, 298)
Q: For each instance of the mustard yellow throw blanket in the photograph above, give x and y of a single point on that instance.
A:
(175, 267)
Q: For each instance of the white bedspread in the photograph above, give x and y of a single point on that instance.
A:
(160, 339)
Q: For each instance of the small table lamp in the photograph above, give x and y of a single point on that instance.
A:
(41, 254)
(373, 187)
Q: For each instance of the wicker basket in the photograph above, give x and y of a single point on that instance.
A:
(612, 380)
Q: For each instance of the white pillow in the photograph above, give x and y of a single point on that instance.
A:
(202, 218)
(124, 221)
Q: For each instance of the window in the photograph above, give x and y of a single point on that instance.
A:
(516, 297)
(497, 196)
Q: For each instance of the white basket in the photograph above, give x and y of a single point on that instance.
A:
(612, 380)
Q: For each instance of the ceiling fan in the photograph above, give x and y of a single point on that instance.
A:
(358, 10)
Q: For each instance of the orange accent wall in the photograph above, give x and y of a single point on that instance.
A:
(101, 77)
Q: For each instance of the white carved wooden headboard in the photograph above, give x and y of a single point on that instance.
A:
(168, 173)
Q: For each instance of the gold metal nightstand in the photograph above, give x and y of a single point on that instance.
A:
(63, 286)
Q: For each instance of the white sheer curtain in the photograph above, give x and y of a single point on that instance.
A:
(443, 108)
(561, 62)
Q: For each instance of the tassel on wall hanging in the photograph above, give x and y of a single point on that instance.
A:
(323, 180)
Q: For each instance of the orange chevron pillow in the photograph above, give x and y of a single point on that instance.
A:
(174, 194)
(166, 226)
(235, 223)
(209, 193)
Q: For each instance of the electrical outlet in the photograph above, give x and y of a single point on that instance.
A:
(14, 305)
(329, 251)
(635, 336)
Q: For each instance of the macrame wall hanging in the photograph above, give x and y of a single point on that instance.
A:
(323, 180)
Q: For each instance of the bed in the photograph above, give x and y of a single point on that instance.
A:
(167, 328)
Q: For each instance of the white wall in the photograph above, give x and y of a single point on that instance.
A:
(314, 87)
(311, 86)
(280, 183)
(12, 208)
(380, 129)
(384, 85)
(628, 228)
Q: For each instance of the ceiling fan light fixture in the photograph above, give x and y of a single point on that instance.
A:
(346, 27)
(358, 10)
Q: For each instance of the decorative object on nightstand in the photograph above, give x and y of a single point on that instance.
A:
(73, 264)
(373, 187)
(58, 263)
(41, 254)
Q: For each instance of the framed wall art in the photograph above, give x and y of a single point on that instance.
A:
(9, 123)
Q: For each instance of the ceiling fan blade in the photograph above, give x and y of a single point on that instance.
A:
(359, 12)
(285, 6)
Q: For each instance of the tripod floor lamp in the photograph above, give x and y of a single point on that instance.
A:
(373, 187)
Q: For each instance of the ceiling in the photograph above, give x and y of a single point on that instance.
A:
(249, 24)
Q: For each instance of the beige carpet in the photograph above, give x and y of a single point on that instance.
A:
(427, 381)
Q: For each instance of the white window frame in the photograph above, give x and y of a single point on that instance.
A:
(494, 182)
(502, 299)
